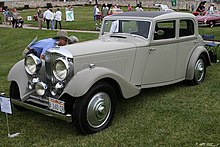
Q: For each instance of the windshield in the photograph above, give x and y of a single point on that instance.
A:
(126, 26)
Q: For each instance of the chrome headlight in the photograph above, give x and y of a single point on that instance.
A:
(41, 88)
(32, 64)
(61, 69)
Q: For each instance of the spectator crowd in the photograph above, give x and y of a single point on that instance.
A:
(52, 19)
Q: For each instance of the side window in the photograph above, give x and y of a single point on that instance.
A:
(128, 26)
(136, 27)
(165, 30)
(186, 28)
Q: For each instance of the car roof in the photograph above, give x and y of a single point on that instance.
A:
(154, 14)
(151, 14)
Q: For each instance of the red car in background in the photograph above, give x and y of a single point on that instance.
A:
(209, 19)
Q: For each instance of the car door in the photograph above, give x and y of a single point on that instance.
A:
(186, 44)
(162, 55)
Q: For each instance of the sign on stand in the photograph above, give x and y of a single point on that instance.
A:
(69, 16)
(5, 105)
(29, 17)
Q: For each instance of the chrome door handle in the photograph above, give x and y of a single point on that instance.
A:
(196, 42)
(151, 49)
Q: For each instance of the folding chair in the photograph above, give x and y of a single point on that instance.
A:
(211, 46)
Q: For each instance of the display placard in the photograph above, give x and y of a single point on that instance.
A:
(5, 104)
(69, 16)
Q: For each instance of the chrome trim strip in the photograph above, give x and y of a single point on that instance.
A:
(67, 117)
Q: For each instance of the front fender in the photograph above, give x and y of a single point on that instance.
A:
(194, 56)
(19, 75)
(83, 80)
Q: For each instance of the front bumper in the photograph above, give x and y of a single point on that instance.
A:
(67, 117)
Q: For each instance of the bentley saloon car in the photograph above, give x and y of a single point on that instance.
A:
(81, 82)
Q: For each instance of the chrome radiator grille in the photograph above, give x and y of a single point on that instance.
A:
(49, 60)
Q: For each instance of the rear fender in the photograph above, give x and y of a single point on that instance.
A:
(83, 80)
(194, 56)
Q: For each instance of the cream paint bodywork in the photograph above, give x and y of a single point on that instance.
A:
(84, 79)
(116, 63)
(128, 60)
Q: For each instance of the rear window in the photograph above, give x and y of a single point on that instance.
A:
(186, 28)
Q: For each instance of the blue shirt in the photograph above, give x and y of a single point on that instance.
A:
(43, 45)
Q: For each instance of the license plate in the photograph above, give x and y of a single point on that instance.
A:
(56, 105)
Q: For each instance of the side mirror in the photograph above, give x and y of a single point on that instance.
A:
(159, 32)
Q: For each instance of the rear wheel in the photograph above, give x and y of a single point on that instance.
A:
(15, 94)
(94, 111)
(199, 70)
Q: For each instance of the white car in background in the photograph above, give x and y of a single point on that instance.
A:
(163, 7)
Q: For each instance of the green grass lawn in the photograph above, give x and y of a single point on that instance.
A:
(174, 115)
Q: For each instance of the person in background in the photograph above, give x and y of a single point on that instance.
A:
(6, 14)
(48, 16)
(211, 8)
(104, 10)
(192, 7)
(20, 21)
(52, 20)
(10, 18)
(58, 18)
(98, 18)
(40, 47)
(139, 8)
(94, 12)
(201, 8)
(40, 18)
(14, 17)
(129, 7)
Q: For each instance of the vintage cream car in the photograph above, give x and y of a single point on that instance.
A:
(81, 83)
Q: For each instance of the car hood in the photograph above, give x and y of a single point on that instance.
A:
(98, 46)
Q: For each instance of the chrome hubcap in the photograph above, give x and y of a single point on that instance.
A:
(98, 109)
(199, 70)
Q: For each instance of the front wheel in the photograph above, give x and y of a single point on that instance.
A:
(15, 94)
(199, 70)
(94, 111)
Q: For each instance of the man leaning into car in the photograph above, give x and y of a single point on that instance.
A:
(40, 47)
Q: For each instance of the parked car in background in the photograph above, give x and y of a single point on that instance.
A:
(209, 19)
(115, 11)
(163, 7)
(198, 13)
(82, 82)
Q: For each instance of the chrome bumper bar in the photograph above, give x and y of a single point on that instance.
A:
(67, 117)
